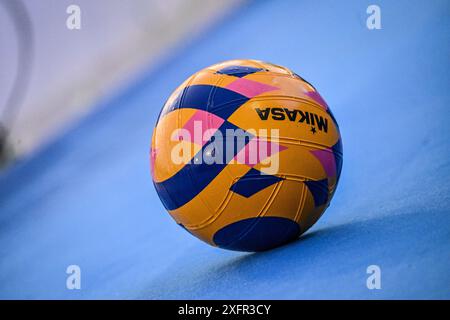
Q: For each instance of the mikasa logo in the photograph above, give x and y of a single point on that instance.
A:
(294, 116)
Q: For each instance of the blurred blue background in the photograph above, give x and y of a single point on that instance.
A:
(84, 194)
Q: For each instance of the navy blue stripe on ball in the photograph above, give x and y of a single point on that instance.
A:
(338, 157)
(217, 100)
(239, 71)
(319, 191)
(252, 182)
(225, 102)
(257, 234)
(195, 176)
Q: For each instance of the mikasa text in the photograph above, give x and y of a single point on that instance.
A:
(221, 148)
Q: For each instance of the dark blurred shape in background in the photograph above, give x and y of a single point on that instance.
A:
(50, 75)
(21, 24)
